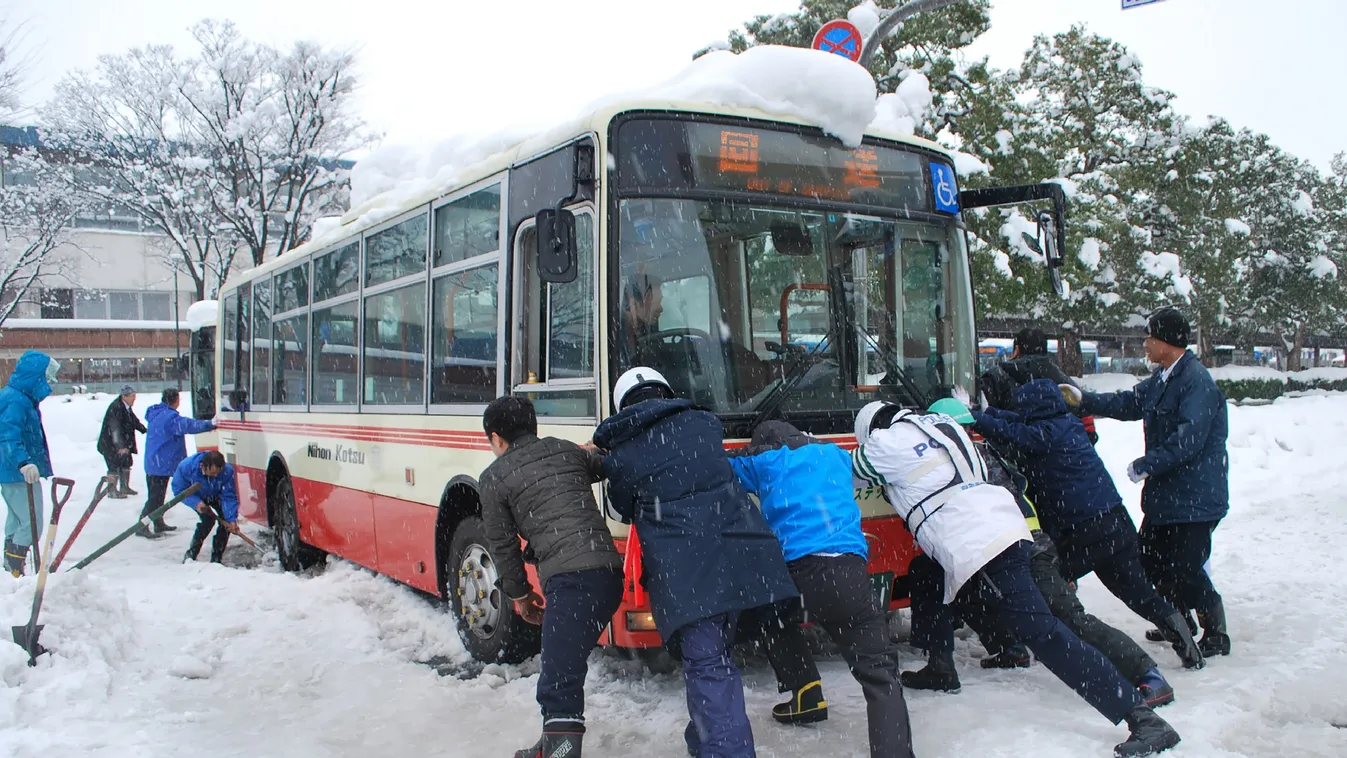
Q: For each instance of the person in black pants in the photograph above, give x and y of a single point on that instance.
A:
(1078, 504)
(165, 448)
(1185, 470)
(541, 490)
(117, 441)
(217, 501)
(805, 489)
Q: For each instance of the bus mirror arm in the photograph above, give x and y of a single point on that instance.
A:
(1051, 232)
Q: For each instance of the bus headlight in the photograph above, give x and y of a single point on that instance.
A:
(640, 621)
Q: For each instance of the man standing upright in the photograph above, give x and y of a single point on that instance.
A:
(117, 441)
(24, 457)
(165, 448)
(1185, 470)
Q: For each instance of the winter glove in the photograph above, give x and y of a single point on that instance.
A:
(30, 473)
(1071, 395)
(1133, 474)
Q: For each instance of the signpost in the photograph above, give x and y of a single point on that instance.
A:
(1137, 3)
(840, 38)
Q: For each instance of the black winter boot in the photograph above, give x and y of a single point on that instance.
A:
(562, 738)
(15, 557)
(938, 675)
(1156, 635)
(1175, 628)
(124, 482)
(163, 527)
(1215, 639)
(1150, 734)
(806, 706)
(1016, 657)
(144, 531)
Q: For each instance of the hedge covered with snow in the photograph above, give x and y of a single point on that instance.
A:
(1244, 382)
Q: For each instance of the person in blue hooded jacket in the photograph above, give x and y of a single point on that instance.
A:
(165, 448)
(805, 490)
(1078, 505)
(1185, 469)
(24, 457)
(218, 498)
(707, 552)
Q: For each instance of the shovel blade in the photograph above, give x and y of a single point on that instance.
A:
(29, 643)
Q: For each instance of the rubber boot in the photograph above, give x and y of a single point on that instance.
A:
(939, 675)
(806, 706)
(1150, 734)
(15, 557)
(1215, 639)
(144, 531)
(124, 478)
(163, 527)
(1185, 646)
(1016, 657)
(562, 738)
(1156, 635)
(1154, 689)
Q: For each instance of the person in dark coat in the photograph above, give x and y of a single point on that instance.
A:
(804, 487)
(541, 490)
(117, 441)
(1078, 504)
(165, 448)
(708, 553)
(216, 502)
(1185, 470)
(24, 455)
(1029, 360)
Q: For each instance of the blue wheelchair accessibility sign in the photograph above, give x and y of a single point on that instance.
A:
(945, 188)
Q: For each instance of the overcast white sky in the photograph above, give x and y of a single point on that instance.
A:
(436, 68)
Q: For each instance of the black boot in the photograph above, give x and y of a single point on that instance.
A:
(1154, 689)
(938, 675)
(124, 479)
(15, 557)
(1150, 734)
(562, 738)
(163, 527)
(1215, 640)
(1157, 635)
(1015, 657)
(1176, 629)
(806, 706)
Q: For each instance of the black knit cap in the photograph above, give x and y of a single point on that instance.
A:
(1169, 326)
(1031, 341)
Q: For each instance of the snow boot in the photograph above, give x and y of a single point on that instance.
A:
(163, 527)
(15, 557)
(124, 481)
(1015, 657)
(1150, 734)
(938, 675)
(1154, 689)
(1156, 635)
(806, 706)
(1215, 640)
(1175, 628)
(144, 531)
(562, 738)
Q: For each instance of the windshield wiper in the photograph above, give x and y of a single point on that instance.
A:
(891, 367)
(769, 404)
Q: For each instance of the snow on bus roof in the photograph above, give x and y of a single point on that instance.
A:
(787, 84)
(203, 313)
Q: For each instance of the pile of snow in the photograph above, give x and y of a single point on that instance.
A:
(865, 17)
(903, 110)
(202, 314)
(1324, 374)
(1166, 266)
(1247, 373)
(1108, 382)
(1235, 226)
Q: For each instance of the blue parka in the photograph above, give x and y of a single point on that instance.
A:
(706, 549)
(220, 489)
(22, 439)
(804, 489)
(166, 441)
(1186, 427)
(1068, 482)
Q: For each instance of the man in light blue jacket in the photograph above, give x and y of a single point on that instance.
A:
(165, 448)
(24, 457)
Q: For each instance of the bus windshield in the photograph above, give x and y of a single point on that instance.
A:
(750, 307)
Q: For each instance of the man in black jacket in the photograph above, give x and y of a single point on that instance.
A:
(1028, 361)
(117, 441)
(541, 490)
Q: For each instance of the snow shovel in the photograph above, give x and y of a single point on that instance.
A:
(220, 515)
(26, 636)
(35, 527)
(104, 487)
(145, 521)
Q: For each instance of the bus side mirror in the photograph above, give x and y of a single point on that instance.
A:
(1050, 230)
(557, 262)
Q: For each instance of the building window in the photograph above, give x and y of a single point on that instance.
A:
(124, 306)
(92, 305)
(58, 303)
(465, 336)
(396, 252)
(156, 306)
(334, 354)
(395, 347)
(468, 227)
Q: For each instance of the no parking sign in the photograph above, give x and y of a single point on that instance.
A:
(840, 38)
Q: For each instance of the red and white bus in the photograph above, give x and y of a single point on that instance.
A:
(762, 266)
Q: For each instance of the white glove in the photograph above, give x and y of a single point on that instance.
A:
(1133, 475)
(1071, 395)
(30, 473)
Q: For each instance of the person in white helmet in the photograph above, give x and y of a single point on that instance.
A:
(936, 480)
(708, 553)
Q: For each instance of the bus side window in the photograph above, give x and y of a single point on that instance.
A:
(558, 326)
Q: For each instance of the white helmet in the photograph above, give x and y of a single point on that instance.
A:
(867, 417)
(634, 379)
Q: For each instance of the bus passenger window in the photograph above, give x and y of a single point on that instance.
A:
(396, 252)
(395, 347)
(261, 342)
(290, 354)
(468, 227)
(334, 354)
(465, 331)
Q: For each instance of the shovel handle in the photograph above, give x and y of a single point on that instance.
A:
(60, 500)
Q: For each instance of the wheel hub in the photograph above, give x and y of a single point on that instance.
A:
(478, 594)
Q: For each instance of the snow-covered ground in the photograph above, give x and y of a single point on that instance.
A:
(153, 658)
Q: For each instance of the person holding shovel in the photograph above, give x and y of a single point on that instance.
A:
(24, 457)
(217, 500)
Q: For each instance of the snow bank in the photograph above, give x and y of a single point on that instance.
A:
(1108, 382)
(1325, 374)
(1246, 373)
(202, 314)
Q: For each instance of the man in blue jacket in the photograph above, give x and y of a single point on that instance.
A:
(1078, 505)
(804, 487)
(1185, 470)
(218, 495)
(165, 448)
(707, 552)
(24, 457)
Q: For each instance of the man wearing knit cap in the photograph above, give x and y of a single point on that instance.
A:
(1185, 470)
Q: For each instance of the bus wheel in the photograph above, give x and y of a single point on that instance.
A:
(294, 555)
(490, 629)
